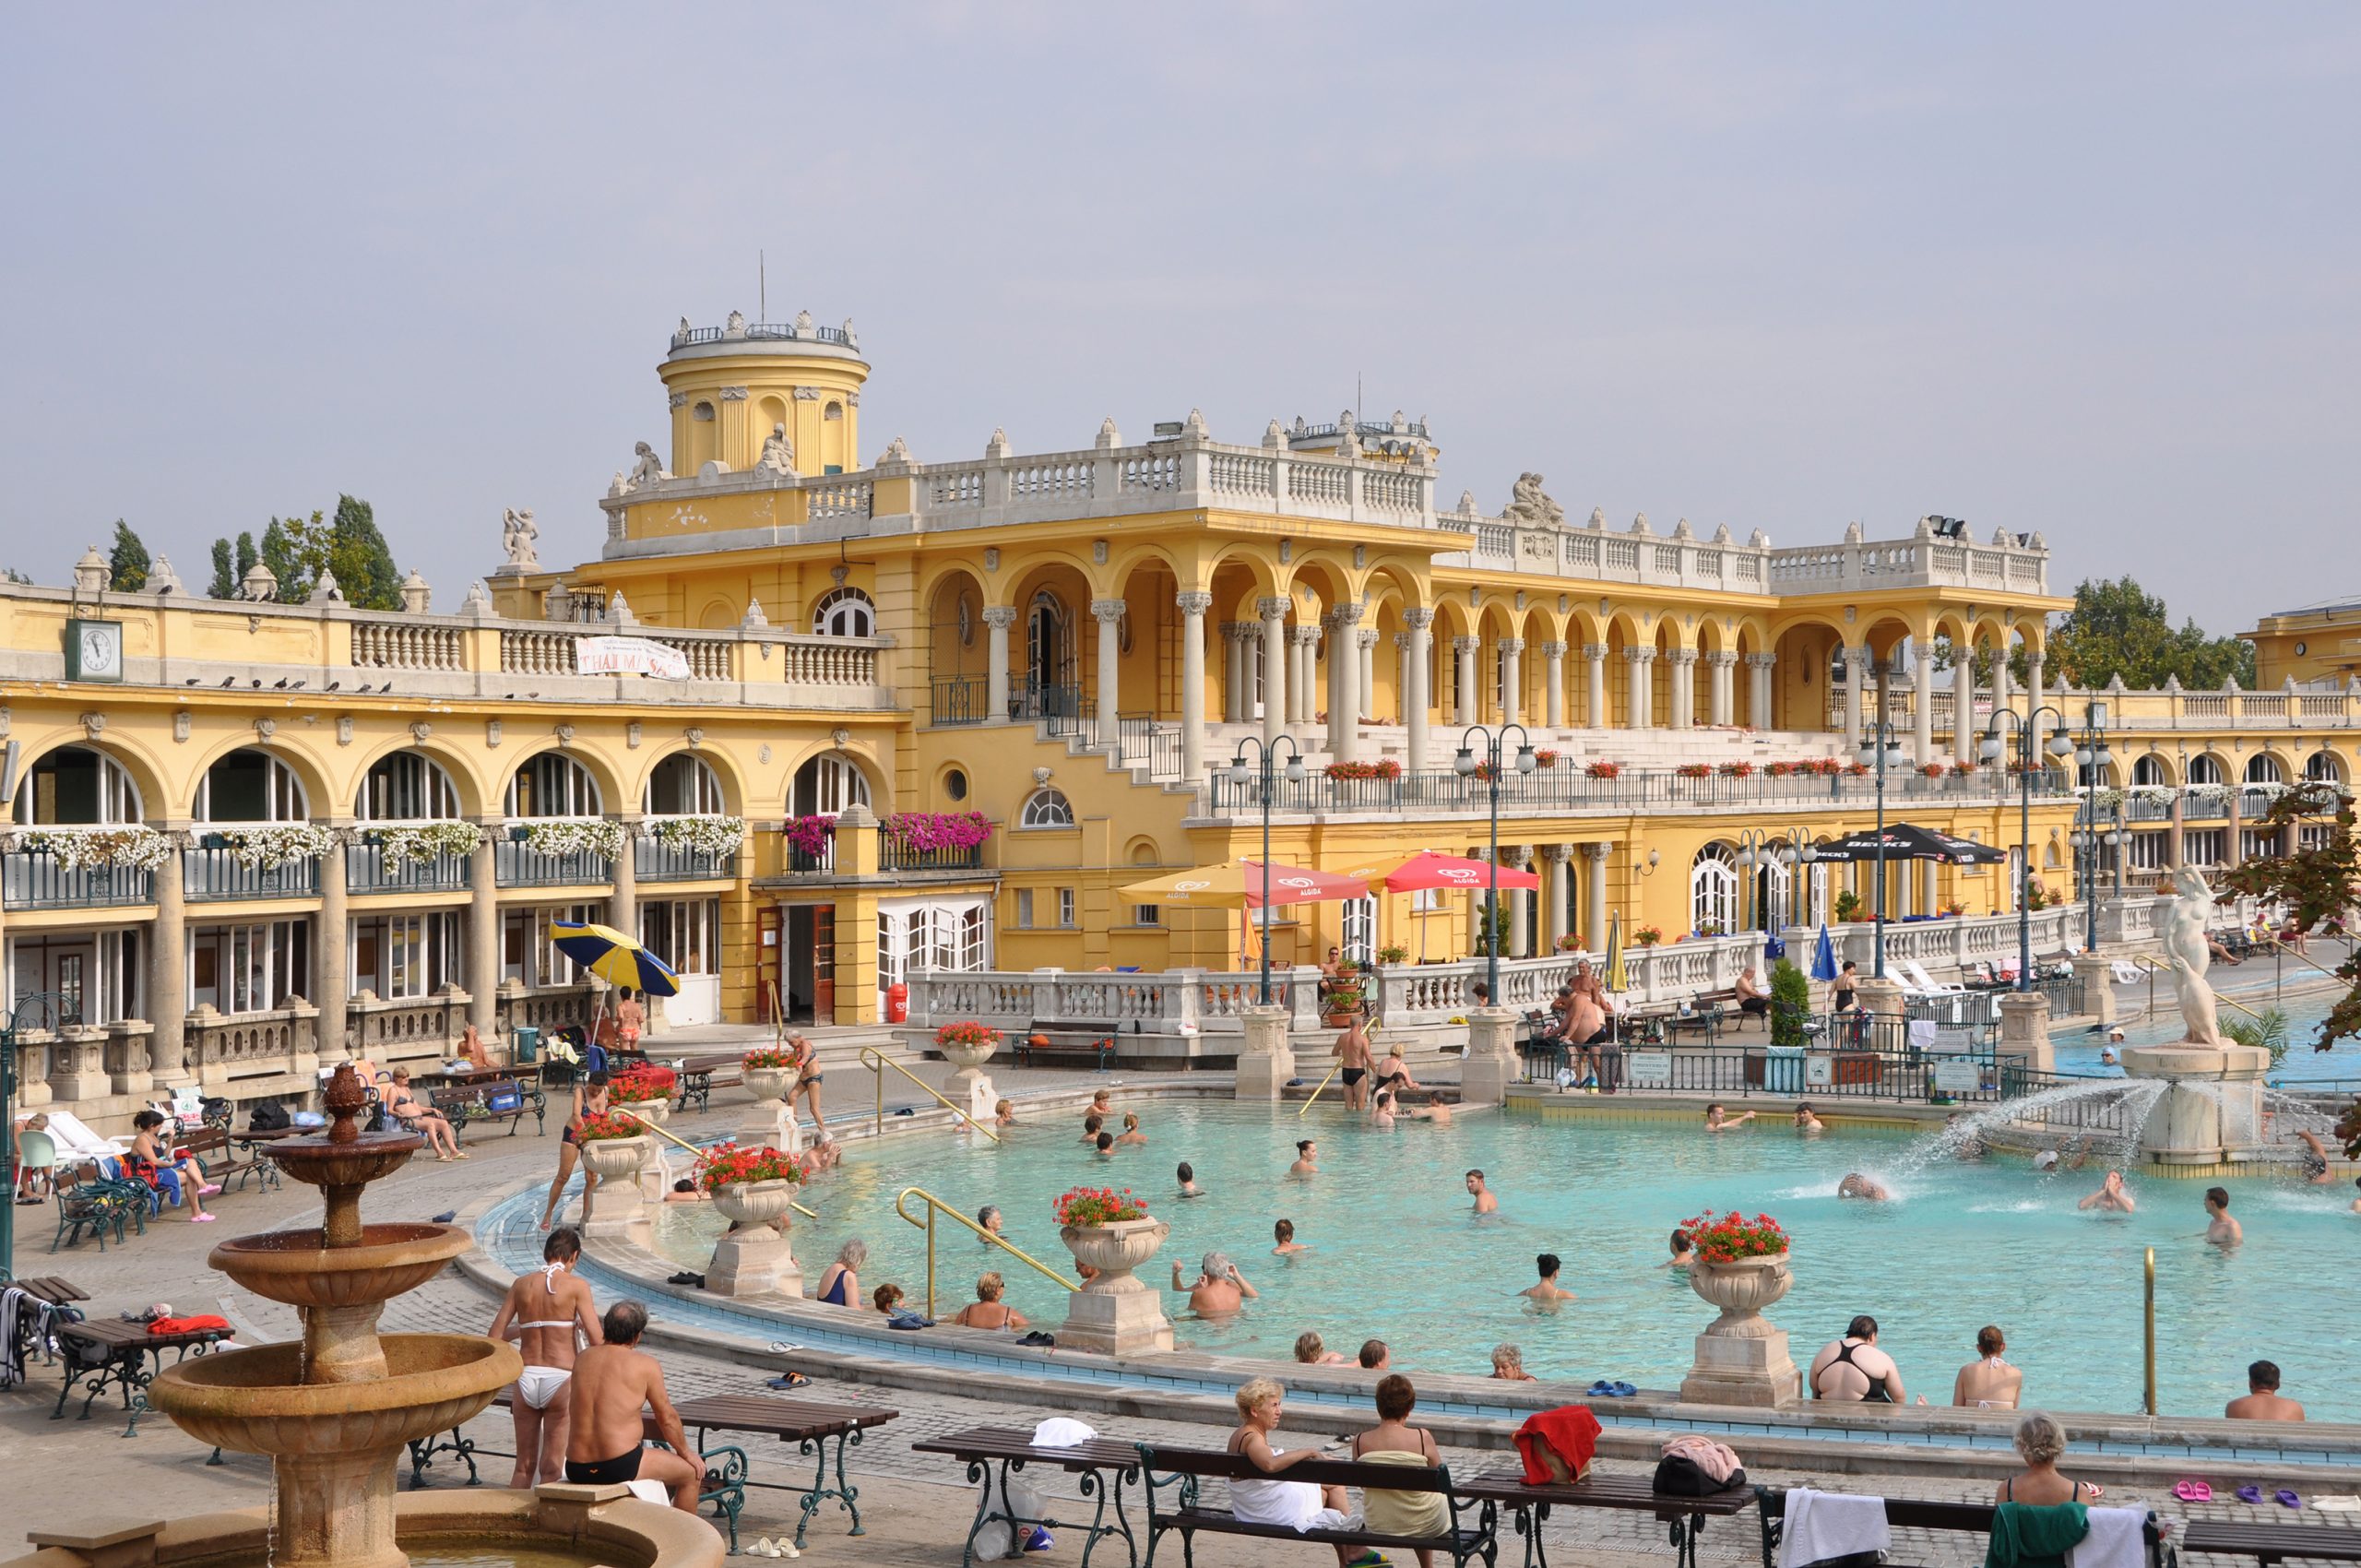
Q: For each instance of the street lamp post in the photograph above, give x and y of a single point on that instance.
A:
(1759, 847)
(1268, 756)
(2062, 745)
(1880, 750)
(1465, 765)
(2092, 759)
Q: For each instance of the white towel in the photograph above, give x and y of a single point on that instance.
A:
(2115, 1541)
(1821, 1524)
(1922, 1034)
(1060, 1432)
(72, 1133)
(650, 1491)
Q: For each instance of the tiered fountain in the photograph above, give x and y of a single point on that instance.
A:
(2211, 1107)
(335, 1410)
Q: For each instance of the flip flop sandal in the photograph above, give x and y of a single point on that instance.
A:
(1602, 1389)
(2287, 1499)
(784, 1346)
(1623, 1390)
(2193, 1491)
(791, 1380)
(2249, 1494)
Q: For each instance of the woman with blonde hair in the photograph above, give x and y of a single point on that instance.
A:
(987, 1310)
(2041, 1443)
(840, 1285)
(1508, 1365)
(1297, 1506)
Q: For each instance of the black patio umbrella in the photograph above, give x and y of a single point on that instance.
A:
(1901, 841)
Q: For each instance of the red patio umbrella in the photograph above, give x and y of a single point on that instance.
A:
(1429, 868)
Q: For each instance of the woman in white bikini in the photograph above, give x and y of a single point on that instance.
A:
(552, 1314)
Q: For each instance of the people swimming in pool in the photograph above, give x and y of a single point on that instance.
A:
(2112, 1196)
(1719, 1120)
(1547, 1290)
(2314, 1159)
(1187, 1175)
(1808, 1124)
(2219, 1228)
(1866, 1188)
(1380, 1111)
(1307, 1159)
(1219, 1290)
(1282, 1232)
(1353, 1064)
(1131, 1132)
(1684, 1251)
(1988, 1382)
(1485, 1202)
(1852, 1370)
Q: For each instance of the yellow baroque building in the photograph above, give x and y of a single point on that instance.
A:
(817, 730)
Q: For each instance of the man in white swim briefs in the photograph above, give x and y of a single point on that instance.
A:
(552, 1314)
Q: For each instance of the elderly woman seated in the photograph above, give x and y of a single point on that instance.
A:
(2041, 1443)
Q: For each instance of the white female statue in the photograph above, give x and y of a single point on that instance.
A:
(2186, 947)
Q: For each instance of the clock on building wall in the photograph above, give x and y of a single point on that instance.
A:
(94, 650)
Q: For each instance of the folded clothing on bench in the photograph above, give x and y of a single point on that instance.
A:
(1823, 1526)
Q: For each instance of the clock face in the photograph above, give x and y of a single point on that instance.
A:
(2301, 649)
(94, 650)
(100, 651)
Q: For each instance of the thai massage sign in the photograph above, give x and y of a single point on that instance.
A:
(629, 656)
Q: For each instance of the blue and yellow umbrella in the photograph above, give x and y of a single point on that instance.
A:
(614, 957)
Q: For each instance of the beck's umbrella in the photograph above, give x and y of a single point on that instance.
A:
(1823, 957)
(615, 958)
(1901, 841)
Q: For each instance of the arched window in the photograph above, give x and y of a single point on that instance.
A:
(2205, 770)
(2263, 769)
(406, 787)
(1047, 808)
(844, 612)
(1713, 889)
(827, 785)
(250, 786)
(78, 785)
(2322, 768)
(553, 784)
(2150, 771)
(683, 785)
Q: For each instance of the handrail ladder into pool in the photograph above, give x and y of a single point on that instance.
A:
(936, 1205)
(1315, 1093)
(2148, 1308)
(2301, 957)
(694, 1150)
(2156, 967)
(877, 1063)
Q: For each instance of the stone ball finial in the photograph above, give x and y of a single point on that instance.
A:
(998, 446)
(91, 573)
(1108, 436)
(896, 451)
(1597, 518)
(1854, 533)
(1680, 529)
(416, 594)
(1640, 523)
(326, 590)
(754, 620)
(1722, 534)
(1467, 503)
(1275, 436)
(1759, 540)
(1195, 426)
(163, 579)
(260, 583)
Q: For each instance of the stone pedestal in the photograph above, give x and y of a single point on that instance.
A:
(1490, 1064)
(2025, 1029)
(1115, 1313)
(1268, 1061)
(770, 1124)
(2097, 975)
(982, 1098)
(967, 1075)
(1741, 1358)
(754, 1257)
(1880, 998)
(616, 1209)
(2213, 1103)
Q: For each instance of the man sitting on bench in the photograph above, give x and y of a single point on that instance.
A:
(612, 1382)
(1299, 1505)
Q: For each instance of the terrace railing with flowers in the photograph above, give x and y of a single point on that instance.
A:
(932, 841)
(812, 843)
(102, 867)
(689, 849)
(558, 852)
(259, 861)
(413, 857)
(1604, 786)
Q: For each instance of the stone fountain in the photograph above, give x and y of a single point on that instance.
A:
(2212, 1100)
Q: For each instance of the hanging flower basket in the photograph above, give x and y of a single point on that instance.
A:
(715, 837)
(269, 845)
(1384, 768)
(129, 845)
(1546, 757)
(812, 837)
(1738, 770)
(925, 831)
(1603, 769)
(560, 837)
(1694, 770)
(426, 842)
(1934, 770)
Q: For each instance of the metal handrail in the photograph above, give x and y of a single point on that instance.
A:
(877, 1063)
(2303, 958)
(665, 1132)
(1315, 1092)
(2160, 966)
(936, 1205)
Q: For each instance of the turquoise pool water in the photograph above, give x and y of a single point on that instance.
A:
(1397, 1254)
(2305, 1006)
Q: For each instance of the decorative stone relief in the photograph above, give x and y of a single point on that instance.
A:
(631, 735)
(564, 734)
(1041, 777)
(419, 730)
(265, 729)
(763, 752)
(733, 394)
(1098, 551)
(94, 724)
(992, 559)
(344, 730)
(1530, 506)
(778, 453)
(1287, 550)
(695, 735)
(841, 737)
(1360, 556)
(181, 725)
(807, 393)
(491, 733)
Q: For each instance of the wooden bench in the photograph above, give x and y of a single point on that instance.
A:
(2270, 1544)
(1911, 1514)
(462, 1107)
(104, 1353)
(37, 1322)
(700, 1076)
(1105, 1464)
(224, 1161)
(1185, 1467)
(1685, 1516)
(1093, 1043)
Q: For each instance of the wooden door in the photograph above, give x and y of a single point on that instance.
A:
(770, 965)
(823, 964)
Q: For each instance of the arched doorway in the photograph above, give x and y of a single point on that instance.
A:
(1052, 682)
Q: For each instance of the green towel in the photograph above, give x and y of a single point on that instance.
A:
(2025, 1536)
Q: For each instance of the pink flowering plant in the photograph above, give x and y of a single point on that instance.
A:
(938, 830)
(811, 835)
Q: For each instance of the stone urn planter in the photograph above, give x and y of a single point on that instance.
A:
(966, 1087)
(655, 1112)
(615, 1159)
(767, 1084)
(1115, 1313)
(616, 1208)
(1741, 1358)
(754, 1258)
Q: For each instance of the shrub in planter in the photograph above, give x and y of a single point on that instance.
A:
(131, 845)
(268, 845)
(1647, 936)
(925, 831)
(1848, 906)
(1546, 757)
(811, 836)
(1738, 770)
(1086, 1206)
(1603, 769)
(610, 1126)
(1934, 770)
(1856, 769)
(1729, 1237)
(1694, 770)
(428, 841)
(1779, 769)
(727, 1165)
(1384, 768)
(1393, 953)
(971, 1035)
(1570, 944)
(1790, 999)
(716, 837)
(641, 1084)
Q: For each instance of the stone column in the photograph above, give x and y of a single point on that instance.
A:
(1512, 680)
(484, 932)
(1267, 1060)
(1724, 688)
(622, 905)
(1274, 666)
(1856, 662)
(1414, 706)
(2233, 834)
(2033, 681)
(1684, 688)
(997, 619)
(331, 983)
(1345, 683)
(2004, 695)
(1109, 615)
(1515, 856)
(167, 982)
(1553, 671)
(1365, 684)
(1233, 672)
(1554, 859)
(1639, 702)
(1596, 935)
(1193, 605)
(1758, 666)
(1490, 1064)
(1470, 703)
(1922, 720)
(1303, 690)
(1595, 714)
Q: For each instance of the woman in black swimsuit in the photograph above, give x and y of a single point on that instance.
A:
(589, 1100)
(2041, 1441)
(1881, 1378)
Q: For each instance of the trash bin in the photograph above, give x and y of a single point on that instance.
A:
(528, 1046)
(897, 1003)
(1783, 1069)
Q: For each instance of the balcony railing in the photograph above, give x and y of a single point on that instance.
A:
(211, 873)
(519, 865)
(33, 879)
(819, 859)
(1567, 789)
(960, 699)
(655, 860)
(368, 869)
(898, 854)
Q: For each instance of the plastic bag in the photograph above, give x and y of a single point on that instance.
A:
(1008, 1493)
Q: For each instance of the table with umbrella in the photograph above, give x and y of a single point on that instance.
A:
(1905, 841)
(618, 959)
(1429, 869)
(1249, 885)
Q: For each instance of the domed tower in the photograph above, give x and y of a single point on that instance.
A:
(732, 386)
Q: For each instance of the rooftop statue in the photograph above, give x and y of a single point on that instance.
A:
(647, 469)
(778, 452)
(517, 536)
(1530, 506)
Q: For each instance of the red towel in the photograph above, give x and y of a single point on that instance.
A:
(201, 1324)
(1570, 1431)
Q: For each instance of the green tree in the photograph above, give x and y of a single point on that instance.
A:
(295, 548)
(361, 559)
(2119, 628)
(1790, 1004)
(128, 561)
(230, 564)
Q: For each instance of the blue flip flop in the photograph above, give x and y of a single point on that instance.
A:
(1602, 1389)
(1622, 1390)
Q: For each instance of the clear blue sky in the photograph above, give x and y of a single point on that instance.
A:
(2088, 269)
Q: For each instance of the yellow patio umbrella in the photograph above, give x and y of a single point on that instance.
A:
(1615, 977)
(1239, 885)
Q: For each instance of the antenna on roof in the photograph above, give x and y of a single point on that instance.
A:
(762, 289)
